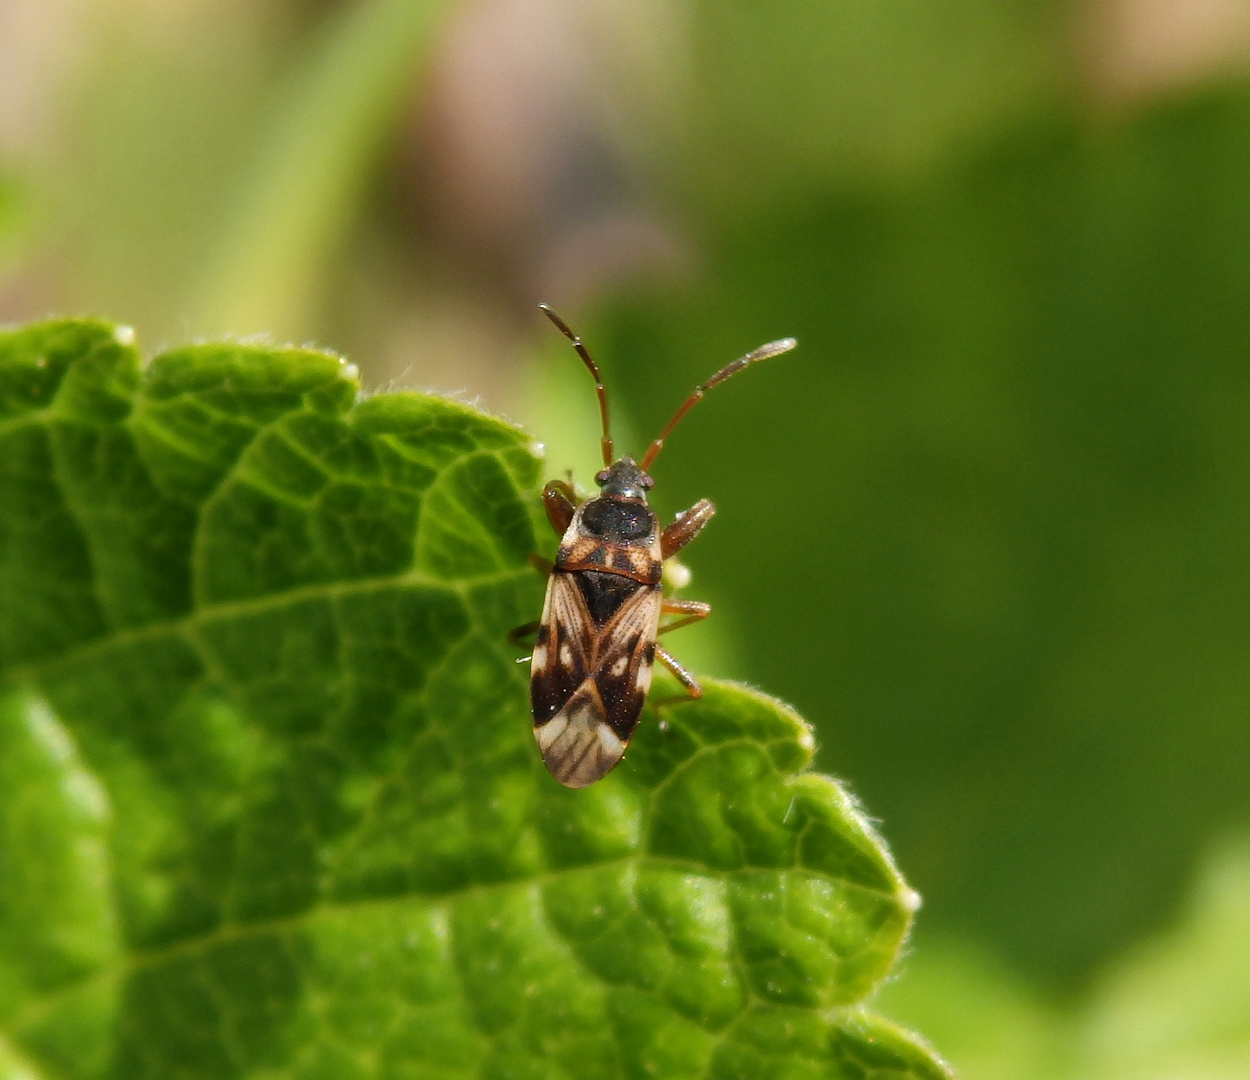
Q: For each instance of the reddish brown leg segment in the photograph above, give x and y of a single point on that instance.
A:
(685, 527)
(683, 676)
(560, 503)
(693, 610)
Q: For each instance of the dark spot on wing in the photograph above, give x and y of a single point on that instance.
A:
(604, 593)
(563, 634)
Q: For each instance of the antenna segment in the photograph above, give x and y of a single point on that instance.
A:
(764, 352)
(562, 326)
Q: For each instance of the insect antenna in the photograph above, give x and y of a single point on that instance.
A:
(562, 326)
(773, 348)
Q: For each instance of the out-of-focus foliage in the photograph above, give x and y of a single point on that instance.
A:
(987, 526)
(987, 1019)
(793, 95)
(337, 110)
(137, 186)
(1177, 1006)
(9, 217)
(1180, 1005)
(226, 178)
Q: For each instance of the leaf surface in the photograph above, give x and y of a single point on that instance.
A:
(270, 805)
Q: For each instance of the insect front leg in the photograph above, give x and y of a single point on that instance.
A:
(693, 610)
(685, 527)
(543, 566)
(560, 503)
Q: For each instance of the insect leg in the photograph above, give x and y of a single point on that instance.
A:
(693, 610)
(685, 527)
(559, 502)
(683, 676)
(543, 566)
(518, 632)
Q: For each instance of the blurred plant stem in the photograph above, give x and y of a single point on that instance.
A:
(328, 123)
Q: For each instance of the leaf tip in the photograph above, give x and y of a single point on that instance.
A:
(806, 738)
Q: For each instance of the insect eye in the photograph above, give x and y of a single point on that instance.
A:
(601, 477)
(647, 482)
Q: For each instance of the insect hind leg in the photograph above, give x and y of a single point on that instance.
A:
(693, 690)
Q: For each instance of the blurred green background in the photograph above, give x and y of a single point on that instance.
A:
(987, 528)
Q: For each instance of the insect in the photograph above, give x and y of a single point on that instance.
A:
(596, 640)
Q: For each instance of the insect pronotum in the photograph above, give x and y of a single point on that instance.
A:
(596, 640)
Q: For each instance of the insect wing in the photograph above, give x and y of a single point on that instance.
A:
(563, 650)
(589, 682)
(625, 649)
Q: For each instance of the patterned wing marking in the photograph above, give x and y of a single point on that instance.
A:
(588, 687)
(623, 654)
(578, 747)
(561, 660)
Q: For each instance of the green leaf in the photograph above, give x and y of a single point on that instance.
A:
(270, 804)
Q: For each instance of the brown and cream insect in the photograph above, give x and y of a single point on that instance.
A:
(591, 666)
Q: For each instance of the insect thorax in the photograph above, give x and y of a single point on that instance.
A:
(615, 535)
